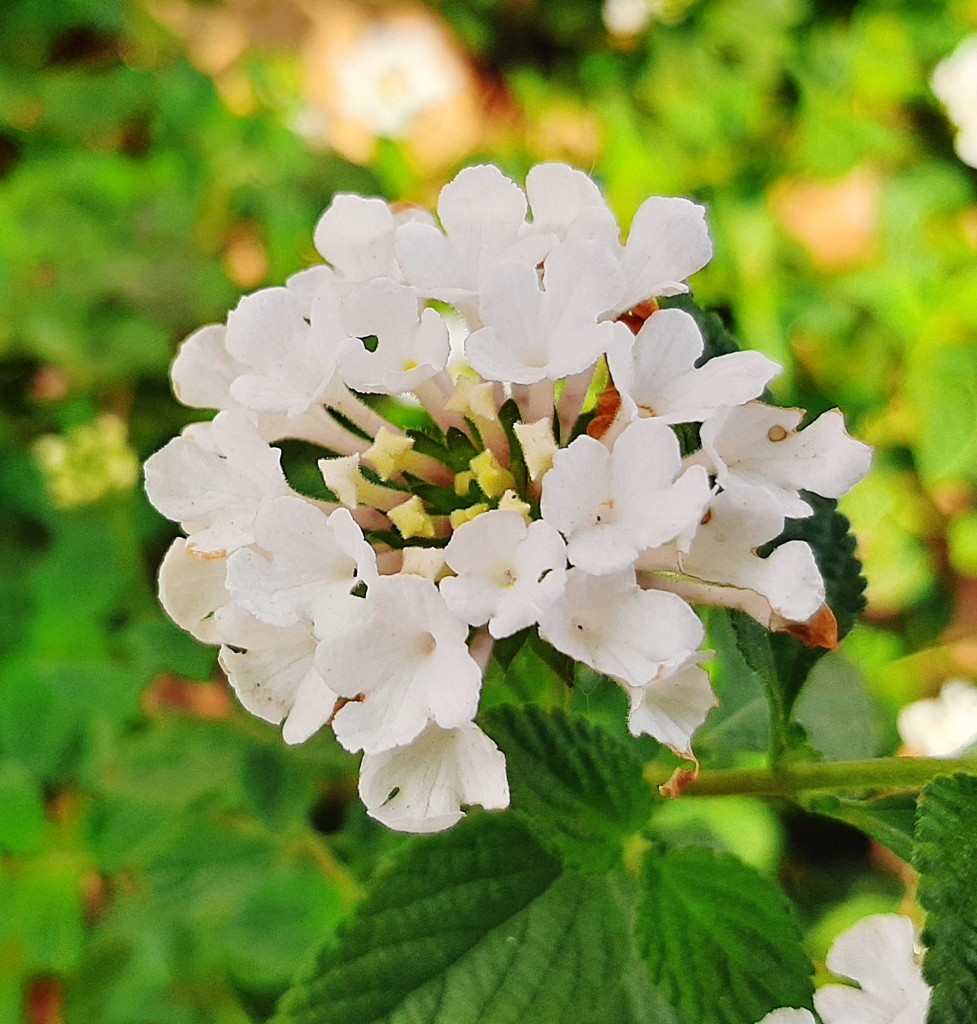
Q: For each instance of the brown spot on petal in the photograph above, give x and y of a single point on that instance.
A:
(819, 631)
(608, 405)
(776, 434)
(681, 778)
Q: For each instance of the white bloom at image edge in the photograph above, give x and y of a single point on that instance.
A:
(879, 955)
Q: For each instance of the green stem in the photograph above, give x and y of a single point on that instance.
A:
(893, 773)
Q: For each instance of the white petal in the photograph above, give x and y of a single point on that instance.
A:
(203, 370)
(788, 1016)
(433, 777)
(940, 727)
(191, 589)
(356, 235)
(558, 194)
(291, 364)
(610, 624)
(212, 481)
(879, 954)
(668, 242)
(314, 559)
(673, 707)
(276, 676)
(403, 657)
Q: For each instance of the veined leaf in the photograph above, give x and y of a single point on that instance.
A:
(476, 926)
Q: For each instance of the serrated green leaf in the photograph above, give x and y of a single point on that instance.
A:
(720, 940)
(577, 787)
(945, 855)
(476, 926)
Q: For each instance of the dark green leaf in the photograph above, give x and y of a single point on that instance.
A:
(578, 788)
(477, 926)
(946, 857)
(721, 940)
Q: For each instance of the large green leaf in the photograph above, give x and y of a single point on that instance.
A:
(946, 857)
(578, 788)
(721, 940)
(477, 926)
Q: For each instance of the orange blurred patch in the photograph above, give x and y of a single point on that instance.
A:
(836, 222)
(200, 700)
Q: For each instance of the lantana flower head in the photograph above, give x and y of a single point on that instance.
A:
(551, 488)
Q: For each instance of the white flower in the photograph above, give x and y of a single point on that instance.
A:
(668, 241)
(402, 660)
(879, 954)
(760, 446)
(292, 360)
(274, 674)
(398, 70)
(547, 332)
(314, 561)
(723, 551)
(356, 236)
(611, 505)
(671, 707)
(483, 214)
(955, 83)
(943, 726)
(213, 479)
(508, 573)
(610, 624)
(656, 373)
(411, 344)
(421, 787)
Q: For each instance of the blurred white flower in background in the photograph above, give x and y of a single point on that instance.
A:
(942, 726)
(955, 83)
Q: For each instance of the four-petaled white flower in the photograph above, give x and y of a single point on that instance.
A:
(612, 505)
(508, 572)
(402, 661)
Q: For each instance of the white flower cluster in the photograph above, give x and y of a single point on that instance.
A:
(375, 608)
(954, 82)
(880, 955)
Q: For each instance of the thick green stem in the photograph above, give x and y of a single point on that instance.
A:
(891, 773)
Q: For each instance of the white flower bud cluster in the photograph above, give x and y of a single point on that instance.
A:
(548, 489)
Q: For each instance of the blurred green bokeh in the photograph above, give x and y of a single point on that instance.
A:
(164, 858)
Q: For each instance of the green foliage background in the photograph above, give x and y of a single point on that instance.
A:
(163, 857)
